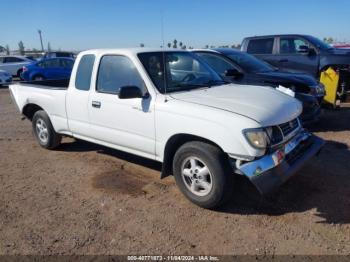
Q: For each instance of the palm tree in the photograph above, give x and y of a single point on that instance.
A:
(175, 43)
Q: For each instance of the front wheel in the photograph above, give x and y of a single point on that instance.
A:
(203, 174)
(44, 132)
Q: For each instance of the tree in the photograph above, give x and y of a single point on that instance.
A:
(175, 43)
(7, 50)
(21, 48)
(48, 47)
(206, 46)
(184, 47)
(142, 45)
(181, 44)
(169, 45)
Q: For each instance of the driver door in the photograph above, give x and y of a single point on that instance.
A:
(289, 59)
(127, 124)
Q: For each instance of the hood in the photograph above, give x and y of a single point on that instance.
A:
(283, 77)
(339, 51)
(265, 105)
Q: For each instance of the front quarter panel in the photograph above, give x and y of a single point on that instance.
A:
(174, 117)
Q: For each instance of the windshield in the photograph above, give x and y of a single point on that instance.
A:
(317, 42)
(249, 63)
(181, 71)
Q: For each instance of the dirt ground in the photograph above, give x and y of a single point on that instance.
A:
(88, 199)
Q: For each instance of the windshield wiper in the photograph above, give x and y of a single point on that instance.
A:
(211, 83)
(185, 87)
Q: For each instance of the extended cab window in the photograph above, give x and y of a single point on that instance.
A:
(84, 72)
(291, 45)
(260, 46)
(115, 72)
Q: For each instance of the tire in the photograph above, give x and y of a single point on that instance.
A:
(19, 72)
(38, 78)
(44, 132)
(208, 189)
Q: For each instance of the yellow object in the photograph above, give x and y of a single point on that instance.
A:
(330, 79)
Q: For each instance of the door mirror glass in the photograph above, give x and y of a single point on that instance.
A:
(128, 92)
(233, 73)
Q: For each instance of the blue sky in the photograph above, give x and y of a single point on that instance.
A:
(84, 24)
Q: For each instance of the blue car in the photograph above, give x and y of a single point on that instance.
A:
(50, 68)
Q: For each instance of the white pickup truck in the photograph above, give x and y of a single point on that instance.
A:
(170, 106)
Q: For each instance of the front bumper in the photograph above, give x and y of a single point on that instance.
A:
(271, 171)
(311, 108)
(6, 80)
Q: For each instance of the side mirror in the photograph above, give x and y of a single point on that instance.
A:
(128, 92)
(303, 49)
(233, 73)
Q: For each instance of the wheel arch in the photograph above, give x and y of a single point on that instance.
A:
(30, 109)
(173, 144)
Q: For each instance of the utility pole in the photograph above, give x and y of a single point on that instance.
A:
(41, 40)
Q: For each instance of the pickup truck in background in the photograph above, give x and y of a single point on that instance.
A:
(307, 54)
(170, 106)
(242, 68)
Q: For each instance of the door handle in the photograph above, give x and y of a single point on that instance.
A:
(96, 104)
(283, 60)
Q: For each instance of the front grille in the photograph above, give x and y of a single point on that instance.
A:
(298, 152)
(289, 127)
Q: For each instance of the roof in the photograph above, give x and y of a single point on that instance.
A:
(277, 35)
(218, 50)
(132, 51)
(18, 56)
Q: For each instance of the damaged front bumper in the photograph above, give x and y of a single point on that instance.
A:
(272, 170)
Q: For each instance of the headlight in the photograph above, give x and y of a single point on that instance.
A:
(256, 137)
(318, 90)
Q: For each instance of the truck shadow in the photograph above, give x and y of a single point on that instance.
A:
(332, 120)
(323, 186)
(83, 146)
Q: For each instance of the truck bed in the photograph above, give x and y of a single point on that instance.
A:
(48, 84)
(50, 95)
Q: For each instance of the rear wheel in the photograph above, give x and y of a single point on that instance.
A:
(203, 174)
(44, 132)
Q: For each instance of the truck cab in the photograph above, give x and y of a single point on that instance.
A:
(304, 54)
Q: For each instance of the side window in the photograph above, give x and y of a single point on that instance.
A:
(219, 64)
(260, 46)
(290, 45)
(1, 60)
(51, 63)
(12, 59)
(115, 72)
(65, 63)
(84, 71)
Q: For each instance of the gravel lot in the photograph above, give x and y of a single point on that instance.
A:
(87, 199)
